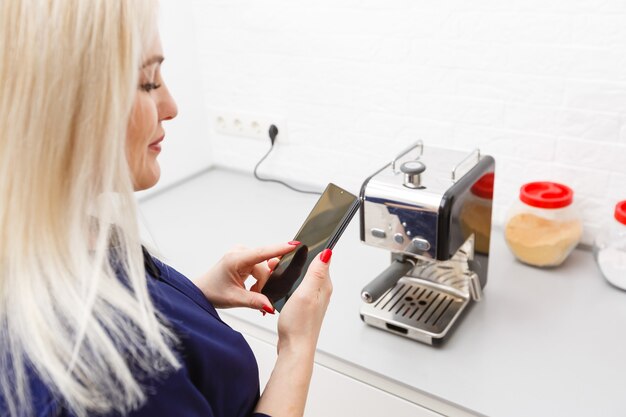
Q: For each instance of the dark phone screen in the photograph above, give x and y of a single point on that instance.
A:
(320, 230)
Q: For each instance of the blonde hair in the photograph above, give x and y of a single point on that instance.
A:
(74, 307)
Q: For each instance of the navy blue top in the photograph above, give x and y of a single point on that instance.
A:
(219, 375)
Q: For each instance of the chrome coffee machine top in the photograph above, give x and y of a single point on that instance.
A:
(431, 209)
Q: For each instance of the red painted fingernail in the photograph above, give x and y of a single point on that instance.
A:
(268, 309)
(294, 243)
(325, 255)
(263, 312)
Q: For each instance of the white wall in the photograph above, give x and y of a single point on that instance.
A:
(539, 84)
(186, 148)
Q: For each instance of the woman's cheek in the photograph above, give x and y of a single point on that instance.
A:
(144, 120)
(140, 132)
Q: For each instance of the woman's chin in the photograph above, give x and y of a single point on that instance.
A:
(148, 178)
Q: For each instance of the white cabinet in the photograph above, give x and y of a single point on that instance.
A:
(334, 394)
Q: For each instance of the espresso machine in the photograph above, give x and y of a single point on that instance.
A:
(431, 209)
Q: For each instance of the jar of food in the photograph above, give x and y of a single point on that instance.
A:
(543, 226)
(610, 248)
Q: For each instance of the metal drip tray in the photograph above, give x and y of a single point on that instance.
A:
(415, 308)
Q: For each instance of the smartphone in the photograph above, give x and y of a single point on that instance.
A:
(321, 230)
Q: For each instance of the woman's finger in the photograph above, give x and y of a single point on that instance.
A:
(258, 255)
(317, 276)
(261, 272)
(273, 263)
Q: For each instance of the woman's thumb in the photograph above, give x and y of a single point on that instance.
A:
(326, 255)
(319, 266)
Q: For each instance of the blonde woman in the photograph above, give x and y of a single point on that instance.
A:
(90, 323)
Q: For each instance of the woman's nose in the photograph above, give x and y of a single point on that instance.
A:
(167, 107)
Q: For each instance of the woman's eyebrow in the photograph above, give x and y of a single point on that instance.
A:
(157, 59)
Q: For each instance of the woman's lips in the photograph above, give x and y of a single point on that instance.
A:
(156, 145)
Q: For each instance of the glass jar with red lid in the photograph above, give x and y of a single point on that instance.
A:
(610, 248)
(544, 225)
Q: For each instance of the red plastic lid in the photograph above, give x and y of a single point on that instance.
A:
(484, 186)
(544, 194)
(620, 212)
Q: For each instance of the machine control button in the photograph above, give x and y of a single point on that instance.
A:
(412, 174)
(398, 238)
(378, 233)
(413, 167)
(421, 244)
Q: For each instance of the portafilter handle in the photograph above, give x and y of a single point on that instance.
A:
(386, 279)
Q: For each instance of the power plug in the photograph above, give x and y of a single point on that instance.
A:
(273, 132)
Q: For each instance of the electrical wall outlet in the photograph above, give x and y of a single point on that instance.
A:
(248, 125)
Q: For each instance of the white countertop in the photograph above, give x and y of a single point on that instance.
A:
(541, 343)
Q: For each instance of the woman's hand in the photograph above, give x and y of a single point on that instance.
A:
(223, 285)
(299, 326)
(301, 318)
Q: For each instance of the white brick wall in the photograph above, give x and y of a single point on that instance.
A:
(538, 84)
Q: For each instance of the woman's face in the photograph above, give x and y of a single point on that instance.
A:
(153, 104)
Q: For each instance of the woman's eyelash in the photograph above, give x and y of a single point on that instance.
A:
(147, 87)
